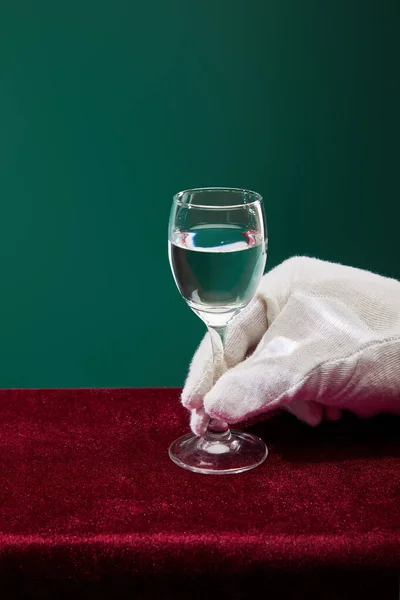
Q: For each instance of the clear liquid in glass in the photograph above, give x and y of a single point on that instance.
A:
(217, 268)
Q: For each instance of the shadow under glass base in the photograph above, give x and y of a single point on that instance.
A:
(230, 452)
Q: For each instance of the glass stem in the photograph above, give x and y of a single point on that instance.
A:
(216, 427)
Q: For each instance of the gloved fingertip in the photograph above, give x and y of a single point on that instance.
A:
(191, 401)
(199, 421)
(233, 398)
(309, 412)
(315, 414)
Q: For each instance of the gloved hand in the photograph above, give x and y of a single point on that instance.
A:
(326, 338)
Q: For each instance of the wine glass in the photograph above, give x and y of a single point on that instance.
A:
(217, 244)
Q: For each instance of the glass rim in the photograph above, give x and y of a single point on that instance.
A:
(258, 198)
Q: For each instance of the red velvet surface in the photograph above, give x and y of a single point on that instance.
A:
(91, 505)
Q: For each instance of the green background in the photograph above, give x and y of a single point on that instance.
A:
(109, 107)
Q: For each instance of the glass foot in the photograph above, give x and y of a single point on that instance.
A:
(218, 453)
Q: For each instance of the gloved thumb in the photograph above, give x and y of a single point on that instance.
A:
(251, 388)
(243, 393)
(302, 357)
(276, 375)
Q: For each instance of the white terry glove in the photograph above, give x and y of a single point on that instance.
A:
(327, 338)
